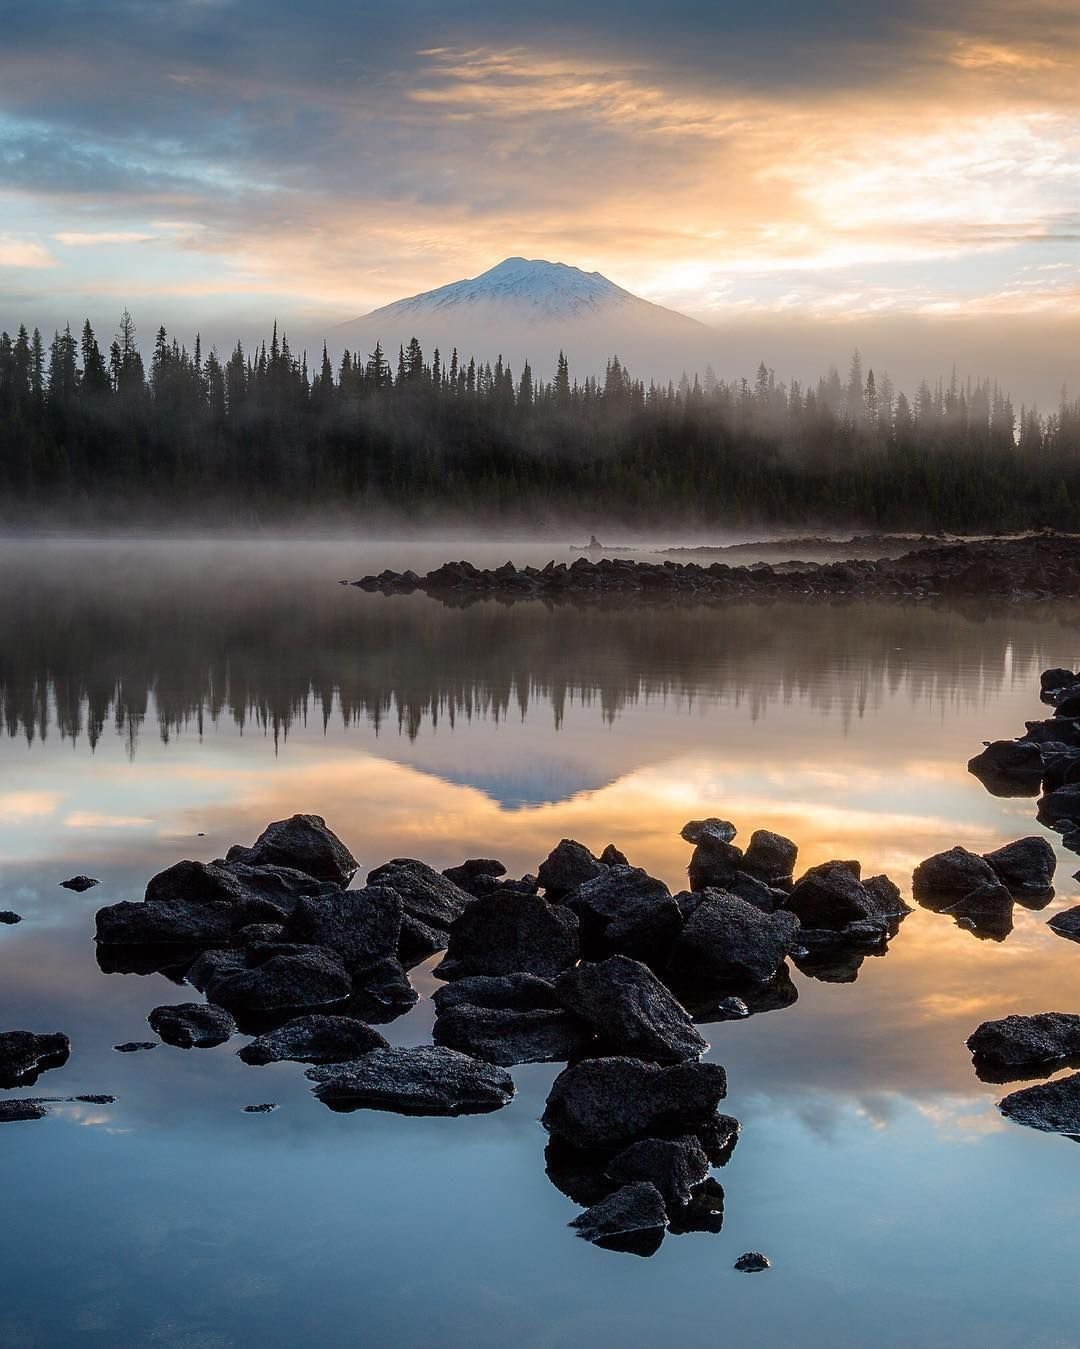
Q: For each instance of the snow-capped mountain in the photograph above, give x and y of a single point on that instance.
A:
(531, 309)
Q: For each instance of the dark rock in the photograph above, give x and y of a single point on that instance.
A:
(264, 1109)
(426, 896)
(731, 944)
(704, 1212)
(676, 1166)
(771, 857)
(271, 893)
(420, 1080)
(506, 1037)
(1060, 805)
(507, 992)
(262, 934)
(887, 899)
(632, 1220)
(192, 1025)
(384, 994)
(566, 867)
(159, 922)
(362, 926)
(417, 941)
(831, 895)
(612, 857)
(472, 870)
(948, 876)
(753, 1262)
(198, 882)
(95, 1100)
(1057, 678)
(510, 934)
(24, 1056)
(578, 1172)
(212, 965)
(1067, 923)
(625, 911)
(1009, 768)
(1026, 866)
(835, 956)
(630, 1010)
(987, 911)
(314, 1039)
(732, 1009)
(1060, 767)
(1053, 1107)
(284, 987)
(713, 865)
(9, 918)
(718, 1138)
(1024, 1046)
(707, 1003)
(133, 1046)
(79, 883)
(755, 891)
(303, 843)
(1055, 729)
(1067, 702)
(11, 1112)
(707, 831)
(611, 1102)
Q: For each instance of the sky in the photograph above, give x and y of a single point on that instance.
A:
(802, 176)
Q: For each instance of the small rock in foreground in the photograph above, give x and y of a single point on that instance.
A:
(192, 1025)
(132, 1046)
(6, 916)
(753, 1262)
(263, 1109)
(79, 883)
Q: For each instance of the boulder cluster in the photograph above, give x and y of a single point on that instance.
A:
(590, 962)
(979, 892)
(1037, 566)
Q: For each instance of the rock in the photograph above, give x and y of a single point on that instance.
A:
(11, 1112)
(510, 934)
(186, 923)
(8, 918)
(94, 1100)
(363, 926)
(79, 883)
(729, 943)
(304, 843)
(417, 941)
(566, 867)
(1026, 866)
(732, 1009)
(612, 857)
(24, 1056)
(632, 1220)
(263, 934)
(1053, 1107)
(284, 986)
(133, 1046)
(426, 896)
(630, 1010)
(755, 891)
(314, 1039)
(948, 876)
(753, 1262)
(1057, 678)
(708, 1003)
(420, 1080)
(676, 1166)
(625, 911)
(713, 865)
(475, 868)
(987, 911)
(1067, 923)
(264, 1109)
(888, 902)
(1024, 1046)
(771, 857)
(212, 965)
(835, 956)
(271, 893)
(506, 1037)
(1061, 804)
(1054, 729)
(507, 992)
(384, 994)
(704, 1212)
(192, 1025)
(1060, 767)
(831, 895)
(708, 831)
(611, 1102)
(1009, 768)
(1067, 702)
(198, 882)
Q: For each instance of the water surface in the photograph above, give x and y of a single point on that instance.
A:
(161, 701)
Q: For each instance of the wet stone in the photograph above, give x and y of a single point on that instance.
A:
(1023, 1046)
(511, 933)
(8, 918)
(25, 1055)
(753, 1262)
(134, 1046)
(314, 1039)
(676, 1166)
(630, 1010)
(947, 877)
(567, 866)
(192, 1025)
(79, 883)
(12, 1112)
(264, 1109)
(632, 1220)
(421, 1080)
(1053, 1107)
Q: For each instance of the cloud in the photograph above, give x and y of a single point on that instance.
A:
(92, 238)
(23, 253)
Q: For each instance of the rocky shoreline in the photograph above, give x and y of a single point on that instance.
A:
(1034, 567)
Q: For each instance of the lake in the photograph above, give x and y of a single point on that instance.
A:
(165, 700)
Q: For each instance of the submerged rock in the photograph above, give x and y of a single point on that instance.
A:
(421, 1080)
(676, 1166)
(192, 1025)
(753, 1262)
(729, 943)
(630, 1010)
(949, 876)
(314, 1039)
(567, 866)
(264, 1109)
(1053, 1107)
(133, 1046)
(632, 1220)
(511, 933)
(12, 1112)
(611, 1102)
(302, 842)
(25, 1055)
(79, 883)
(1026, 866)
(1023, 1046)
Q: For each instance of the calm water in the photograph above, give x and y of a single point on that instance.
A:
(161, 702)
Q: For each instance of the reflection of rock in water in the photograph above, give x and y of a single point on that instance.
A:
(24, 1056)
(1053, 1107)
(1017, 1047)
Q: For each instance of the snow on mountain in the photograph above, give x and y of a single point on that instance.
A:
(531, 309)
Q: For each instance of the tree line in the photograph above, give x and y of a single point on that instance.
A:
(262, 434)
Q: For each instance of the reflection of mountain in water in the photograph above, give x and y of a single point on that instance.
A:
(83, 647)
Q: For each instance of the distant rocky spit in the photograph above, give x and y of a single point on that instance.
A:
(1021, 569)
(589, 962)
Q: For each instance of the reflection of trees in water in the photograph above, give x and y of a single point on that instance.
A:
(83, 647)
